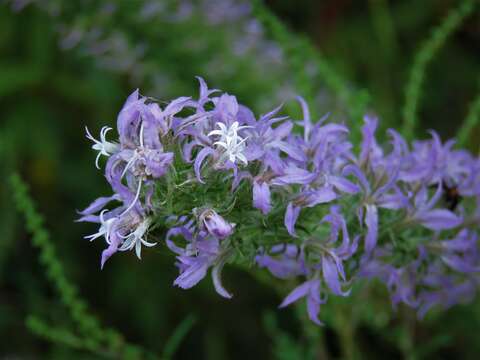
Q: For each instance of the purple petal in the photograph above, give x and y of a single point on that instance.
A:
(321, 196)
(193, 274)
(261, 196)
(111, 249)
(177, 105)
(439, 219)
(206, 151)
(158, 162)
(216, 225)
(291, 216)
(294, 175)
(297, 293)
(460, 264)
(369, 145)
(204, 91)
(355, 171)
(283, 130)
(217, 281)
(89, 218)
(464, 241)
(344, 185)
(330, 275)
(187, 151)
(371, 220)
(289, 149)
(98, 204)
(314, 302)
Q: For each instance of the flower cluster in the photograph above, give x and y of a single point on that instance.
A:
(294, 197)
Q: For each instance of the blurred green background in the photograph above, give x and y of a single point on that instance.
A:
(67, 65)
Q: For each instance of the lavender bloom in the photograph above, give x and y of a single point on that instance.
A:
(333, 256)
(261, 196)
(445, 291)
(383, 169)
(434, 219)
(311, 290)
(283, 262)
(216, 225)
(201, 253)
(121, 232)
(461, 253)
(418, 241)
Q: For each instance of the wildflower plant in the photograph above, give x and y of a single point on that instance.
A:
(220, 185)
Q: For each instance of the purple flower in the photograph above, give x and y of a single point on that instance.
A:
(121, 231)
(200, 253)
(433, 219)
(445, 291)
(461, 253)
(311, 291)
(401, 282)
(307, 198)
(421, 244)
(216, 225)
(283, 261)
(261, 196)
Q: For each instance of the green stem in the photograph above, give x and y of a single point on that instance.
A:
(471, 121)
(423, 58)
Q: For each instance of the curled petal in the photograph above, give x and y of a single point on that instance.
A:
(217, 281)
(111, 249)
(198, 161)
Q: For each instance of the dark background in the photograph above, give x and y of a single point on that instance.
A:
(49, 91)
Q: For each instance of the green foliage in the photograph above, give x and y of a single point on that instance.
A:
(472, 120)
(89, 326)
(426, 53)
(179, 333)
(300, 54)
(284, 346)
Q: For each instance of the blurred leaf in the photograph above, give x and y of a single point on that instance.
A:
(177, 336)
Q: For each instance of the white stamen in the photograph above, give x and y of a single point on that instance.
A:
(230, 141)
(135, 238)
(103, 146)
(104, 230)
